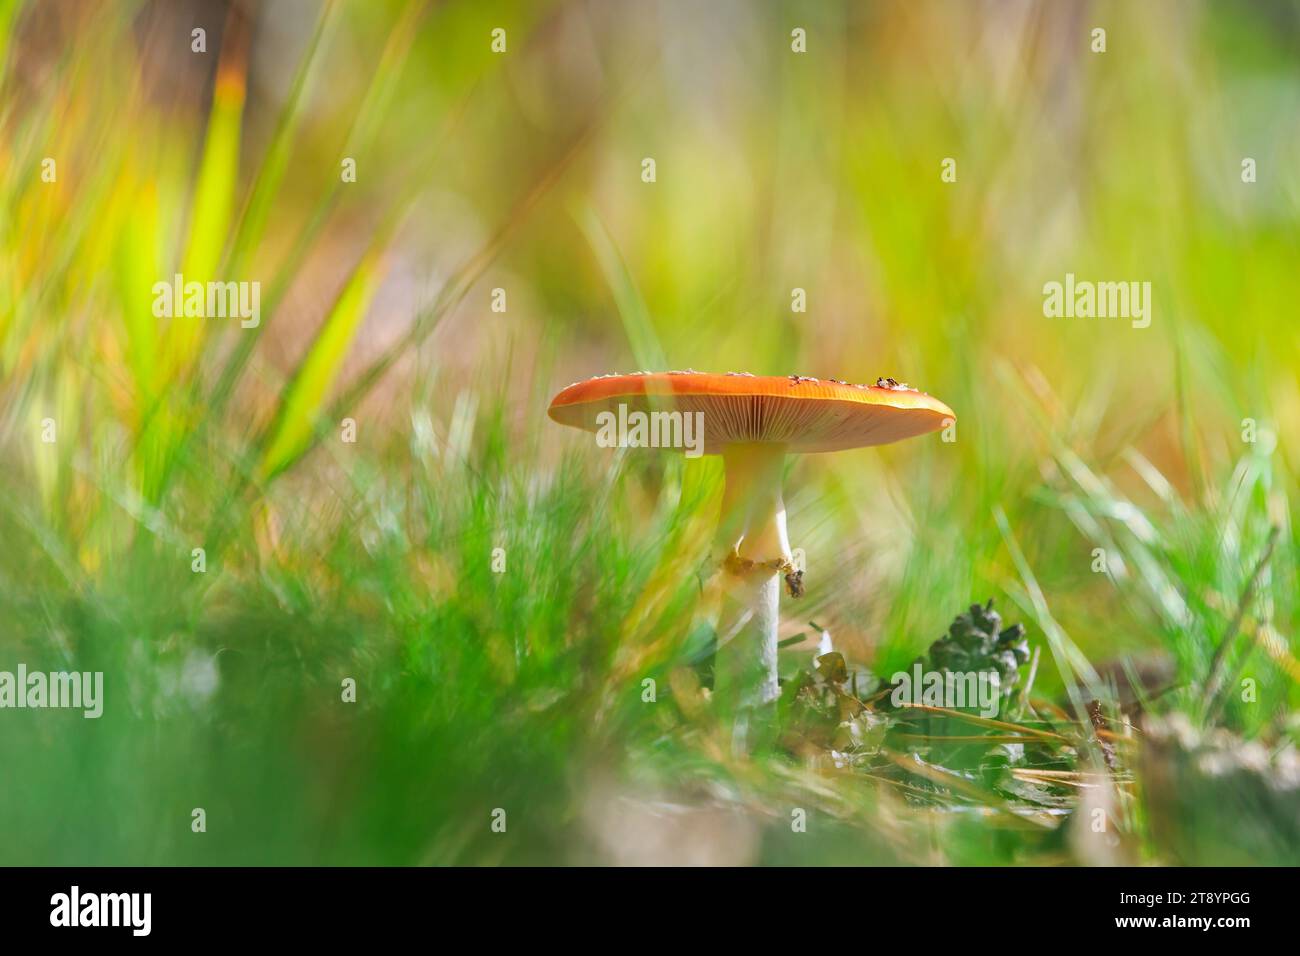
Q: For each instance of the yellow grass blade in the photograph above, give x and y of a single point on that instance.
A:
(296, 420)
(214, 202)
(136, 260)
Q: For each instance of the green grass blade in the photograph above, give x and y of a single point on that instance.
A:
(213, 205)
(296, 420)
(646, 350)
(271, 174)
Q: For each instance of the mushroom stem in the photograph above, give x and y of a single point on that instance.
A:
(752, 528)
(753, 511)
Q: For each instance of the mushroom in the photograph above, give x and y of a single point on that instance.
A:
(753, 422)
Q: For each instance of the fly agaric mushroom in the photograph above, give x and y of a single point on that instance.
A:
(753, 422)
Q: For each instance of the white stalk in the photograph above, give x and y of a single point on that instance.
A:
(752, 526)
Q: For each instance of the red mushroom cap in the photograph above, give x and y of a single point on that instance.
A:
(804, 414)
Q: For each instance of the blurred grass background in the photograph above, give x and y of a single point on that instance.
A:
(521, 171)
